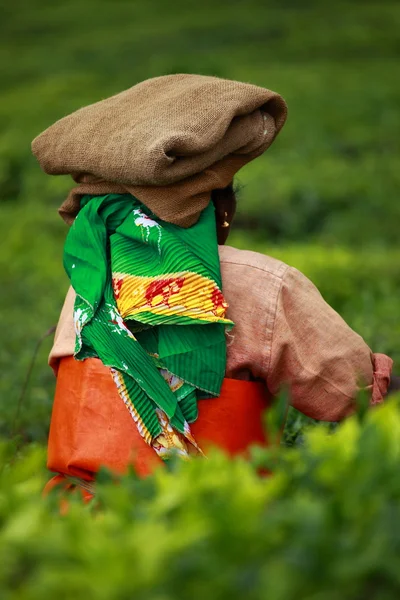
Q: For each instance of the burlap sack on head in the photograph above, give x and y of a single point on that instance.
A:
(168, 141)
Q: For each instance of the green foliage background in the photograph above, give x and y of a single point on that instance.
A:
(324, 198)
(325, 526)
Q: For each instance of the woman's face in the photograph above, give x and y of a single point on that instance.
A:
(225, 206)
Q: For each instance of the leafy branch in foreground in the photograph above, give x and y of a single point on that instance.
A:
(326, 524)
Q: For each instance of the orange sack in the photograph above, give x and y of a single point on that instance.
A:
(91, 427)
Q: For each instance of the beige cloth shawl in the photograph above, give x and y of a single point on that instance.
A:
(168, 141)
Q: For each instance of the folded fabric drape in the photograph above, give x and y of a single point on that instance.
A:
(168, 141)
(149, 305)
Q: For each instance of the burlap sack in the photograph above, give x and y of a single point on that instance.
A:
(169, 141)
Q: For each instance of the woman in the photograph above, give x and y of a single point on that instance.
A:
(197, 337)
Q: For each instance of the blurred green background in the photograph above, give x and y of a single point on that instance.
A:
(323, 198)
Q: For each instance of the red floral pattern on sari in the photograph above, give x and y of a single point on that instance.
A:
(160, 292)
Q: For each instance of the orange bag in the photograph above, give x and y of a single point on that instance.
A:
(91, 427)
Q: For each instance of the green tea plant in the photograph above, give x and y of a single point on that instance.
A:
(325, 524)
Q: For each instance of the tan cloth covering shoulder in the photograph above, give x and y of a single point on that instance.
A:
(284, 333)
(168, 141)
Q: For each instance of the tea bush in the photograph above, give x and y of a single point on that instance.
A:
(326, 525)
(324, 199)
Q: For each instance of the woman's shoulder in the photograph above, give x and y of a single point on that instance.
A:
(250, 260)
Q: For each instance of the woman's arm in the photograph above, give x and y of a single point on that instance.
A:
(324, 362)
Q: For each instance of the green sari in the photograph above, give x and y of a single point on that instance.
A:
(149, 305)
